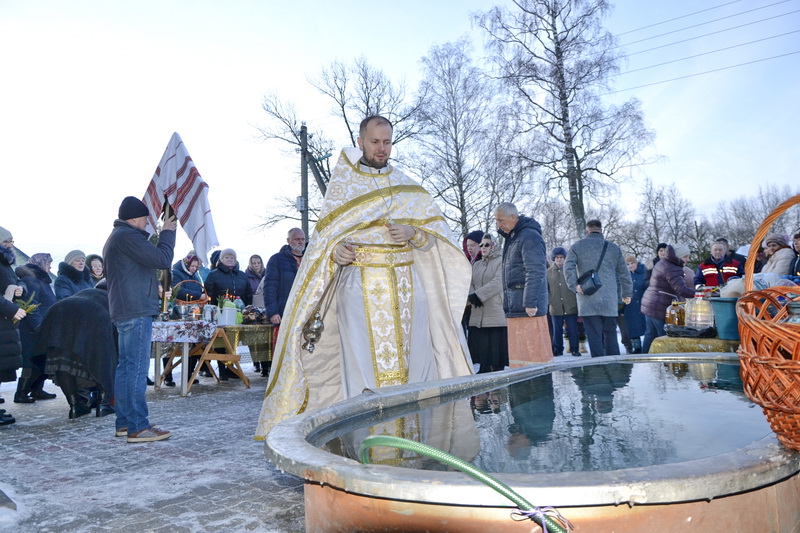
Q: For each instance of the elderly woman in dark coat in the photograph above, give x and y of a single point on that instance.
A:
(185, 270)
(36, 277)
(79, 341)
(227, 280)
(73, 276)
(10, 347)
(666, 284)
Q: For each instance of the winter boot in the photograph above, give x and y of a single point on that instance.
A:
(77, 407)
(38, 392)
(23, 389)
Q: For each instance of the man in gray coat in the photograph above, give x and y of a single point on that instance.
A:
(599, 310)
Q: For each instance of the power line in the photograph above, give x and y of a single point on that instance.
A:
(704, 23)
(702, 73)
(712, 33)
(678, 18)
(707, 53)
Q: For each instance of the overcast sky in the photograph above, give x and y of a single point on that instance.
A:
(92, 90)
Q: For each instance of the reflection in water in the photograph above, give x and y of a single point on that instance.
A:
(599, 417)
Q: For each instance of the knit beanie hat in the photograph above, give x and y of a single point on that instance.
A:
(558, 250)
(5, 235)
(681, 250)
(73, 255)
(776, 238)
(132, 208)
(475, 236)
(227, 251)
(214, 258)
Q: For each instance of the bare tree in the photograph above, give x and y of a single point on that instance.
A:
(738, 220)
(557, 58)
(359, 90)
(458, 119)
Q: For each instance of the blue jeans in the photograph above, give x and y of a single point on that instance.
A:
(130, 380)
(558, 333)
(653, 328)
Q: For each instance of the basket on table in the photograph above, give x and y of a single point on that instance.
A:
(769, 353)
(199, 303)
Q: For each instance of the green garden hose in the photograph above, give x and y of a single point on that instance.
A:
(543, 517)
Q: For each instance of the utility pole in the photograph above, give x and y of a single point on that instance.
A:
(302, 200)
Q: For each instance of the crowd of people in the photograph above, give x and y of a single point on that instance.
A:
(381, 285)
(87, 328)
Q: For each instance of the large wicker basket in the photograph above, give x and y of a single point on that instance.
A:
(770, 348)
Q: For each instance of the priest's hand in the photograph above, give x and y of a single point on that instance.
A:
(170, 224)
(400, 233)
(343, 254)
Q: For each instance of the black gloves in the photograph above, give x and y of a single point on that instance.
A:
(474, 300)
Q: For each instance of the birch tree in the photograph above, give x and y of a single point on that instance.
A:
(557, 59)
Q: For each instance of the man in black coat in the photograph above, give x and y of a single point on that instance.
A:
(524, 285)
(279, 278)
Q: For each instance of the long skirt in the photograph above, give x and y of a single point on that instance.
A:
(488, 347)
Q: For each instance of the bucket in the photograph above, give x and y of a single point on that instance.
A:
(725, 317)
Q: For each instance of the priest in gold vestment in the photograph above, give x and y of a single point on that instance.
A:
(392, 314)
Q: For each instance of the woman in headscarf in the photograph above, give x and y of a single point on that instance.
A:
(36, 277)
(96, 268)
(10, 288)
(255, 272)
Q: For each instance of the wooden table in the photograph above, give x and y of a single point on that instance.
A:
(668, 344)
(185, 333)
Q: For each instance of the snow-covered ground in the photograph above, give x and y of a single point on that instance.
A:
(74, 475)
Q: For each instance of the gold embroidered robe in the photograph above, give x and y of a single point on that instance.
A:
(356, 209)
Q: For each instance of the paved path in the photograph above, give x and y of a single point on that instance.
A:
(74, 475)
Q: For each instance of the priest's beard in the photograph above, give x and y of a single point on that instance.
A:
(374, 164)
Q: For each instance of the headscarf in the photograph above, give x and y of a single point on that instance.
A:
(41, 260)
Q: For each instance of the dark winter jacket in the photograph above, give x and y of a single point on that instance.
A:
(71, 281)
(524, 269)
(255, 279)
(189, 290)
(79, 327)
(634, 319)
(280, 273)
(562, 300)
(583, 256)
(131, 262)
(37, 283)
(10, 348)
(226, 281)
(666, 284)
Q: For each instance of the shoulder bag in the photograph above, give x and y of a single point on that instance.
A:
(590, 280)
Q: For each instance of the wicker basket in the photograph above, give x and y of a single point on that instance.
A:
(770, 349)
(201, 303)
